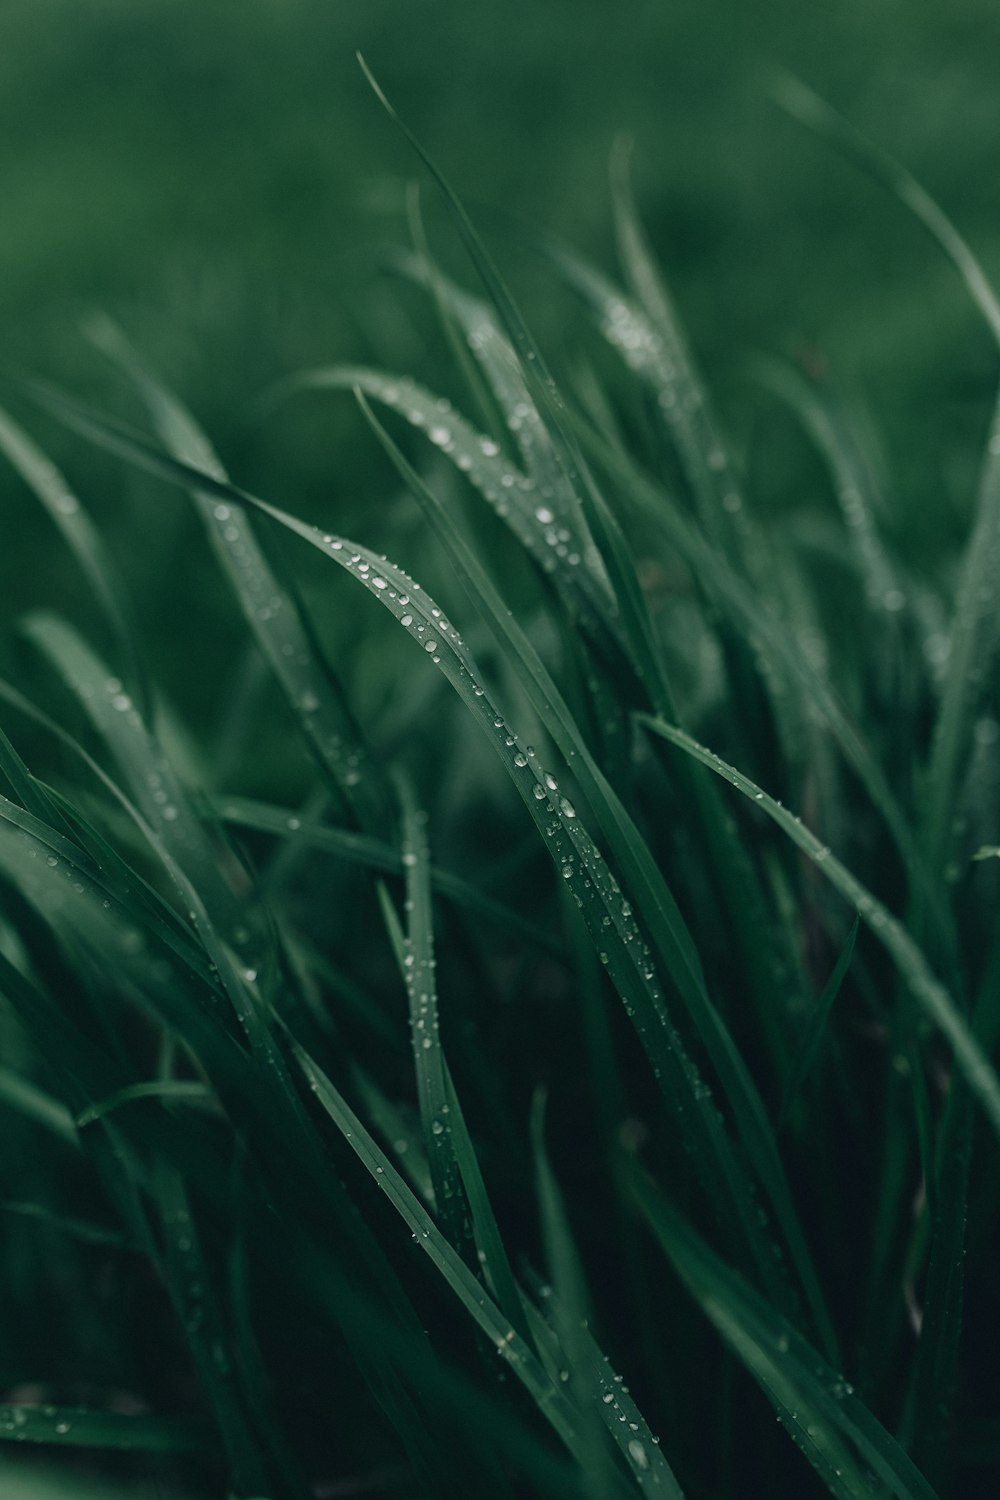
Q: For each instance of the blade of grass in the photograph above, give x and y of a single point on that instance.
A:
(509, 1345)
(84, 541)
(974, 634)
(813, 1037)
(913, 967)
(245, 812)
(832, 1426)
(419, 966)
(276, 620)
(86, 1427)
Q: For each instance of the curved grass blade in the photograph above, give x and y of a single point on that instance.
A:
(84, 541)
(806, 106)
(854, 485)
(154, 786)
(783, 656)
(421, 987)
(974, 634)
(189, 1283)
(814, 1034)
(275, 618)
(569, 1310)
(171, 1090)
(849, 1449)
(913, 967)
(245, 812)
(87, 1427)
(33, 796)
(84, 1230)
(528, 508)
(36, 1104)
(509, 1345)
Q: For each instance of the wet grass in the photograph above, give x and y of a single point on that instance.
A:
(442, 1072)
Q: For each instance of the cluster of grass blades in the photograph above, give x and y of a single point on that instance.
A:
(351, 1154)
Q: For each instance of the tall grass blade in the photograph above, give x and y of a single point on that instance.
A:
(852, 1453)
(913, 967)
(274, 617)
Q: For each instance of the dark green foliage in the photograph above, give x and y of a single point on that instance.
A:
(443, 1075)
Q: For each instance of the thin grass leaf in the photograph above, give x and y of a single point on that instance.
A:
(783, 655)
(170, 1090)
(32, 795)
(509, 1345)
(276, 619)
(86, 1427)
(190, 1283)
(421, 986)
(849, 1449)
(610, 1397)
(156, 790)
(913, 967)
(357, 848)
(84, 541)
(806, 106)
(813, 1037)
(569, 1308)
(823, 419)
(656, 903)
(974, 634)
(529, 510)
(36, 1104)
(84, 1230)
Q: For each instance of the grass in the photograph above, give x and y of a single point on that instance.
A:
(515, 1096)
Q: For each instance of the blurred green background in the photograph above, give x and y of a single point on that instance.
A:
(221, 179)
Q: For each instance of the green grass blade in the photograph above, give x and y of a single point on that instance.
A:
(783, 655)
(87, 1427)
(832, 1426)
(245, 812)
(822, 418)
(162, 800)
(806, 106)
(36, 1104)
(428, 1055)
(813, 1037)
(913, 967)
(652, 895)
(569, 1307)
(274, 617)
(171, 1090)
(473, 1296)
(528, 507)
(190, 1284)
(84, 541)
